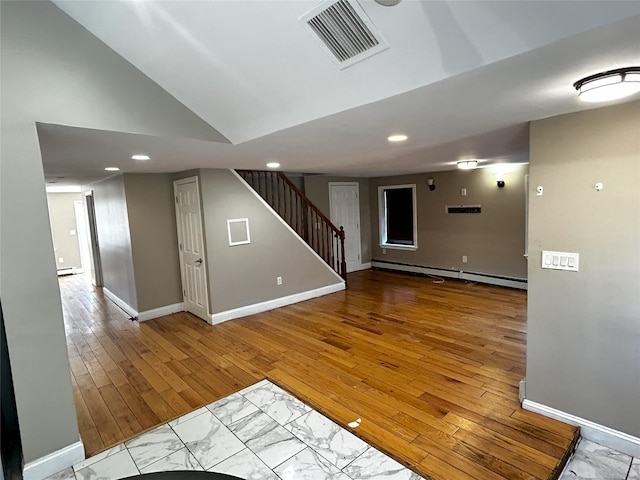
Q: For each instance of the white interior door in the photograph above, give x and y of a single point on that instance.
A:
(344, 204)
(191, 246)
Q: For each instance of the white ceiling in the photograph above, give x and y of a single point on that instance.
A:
(460, 78)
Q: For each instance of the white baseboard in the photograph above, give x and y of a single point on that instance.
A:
(362, 266)
(121, 303)
(160, 311)
(275, 303)
(54, 462)
(70, 271)
(511, 282)
(594, 432)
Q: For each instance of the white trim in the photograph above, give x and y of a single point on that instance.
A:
(511, 282)
(382, 215)
(119, 302)
(286, 225)
(54, 462)
(246, 226)
(70, 271)
(275, 303)
(592, 431)
(361, 266)
(160, 311)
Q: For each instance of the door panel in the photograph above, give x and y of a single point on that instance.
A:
(345, 212)
(192, 261)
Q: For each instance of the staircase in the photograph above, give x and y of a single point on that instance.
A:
(303, 217)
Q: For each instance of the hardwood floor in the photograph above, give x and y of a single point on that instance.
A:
(431, 369)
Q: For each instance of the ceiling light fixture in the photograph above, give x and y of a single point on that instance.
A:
(397, 137)
(140, 157)
(273, 164)
(467, 164)
(112, 169)
(609, 85)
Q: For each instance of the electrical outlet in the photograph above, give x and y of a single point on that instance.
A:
(278, 280)
(464, 259)
(384, 251)
(463, 192)
(60, 260)
(72, 232)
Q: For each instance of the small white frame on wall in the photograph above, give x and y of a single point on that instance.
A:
(236, 236)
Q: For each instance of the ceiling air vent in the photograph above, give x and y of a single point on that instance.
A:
(344, 31)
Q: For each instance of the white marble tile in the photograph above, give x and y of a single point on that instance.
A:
(247, 465)
(308, 465)
(113, 467)
(66, 474)
(180, 460)
(327, 438)
(153, 445)
(232, 408)
(374, 464)
(277, 403)
(261, 383)
(634, 473)
(98, 457)
(208, 439)
(593, 461)
(188, 416)
(271, 442)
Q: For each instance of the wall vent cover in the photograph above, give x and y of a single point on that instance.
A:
(343, 30)
(463, 209)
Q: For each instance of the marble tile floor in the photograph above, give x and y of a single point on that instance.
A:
(261, 432)
(591, 461)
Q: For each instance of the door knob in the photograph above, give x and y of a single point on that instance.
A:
(198, 261)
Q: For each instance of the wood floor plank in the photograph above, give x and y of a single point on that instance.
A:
(431, 370)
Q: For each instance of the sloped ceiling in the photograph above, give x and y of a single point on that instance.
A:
(460, 78)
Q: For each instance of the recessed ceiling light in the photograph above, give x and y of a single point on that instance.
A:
(398, 137)
(610, 85)
(112, 169)
(273, 164)
(467, 164)
(140, 157)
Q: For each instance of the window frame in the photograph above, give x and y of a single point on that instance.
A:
(382, 216)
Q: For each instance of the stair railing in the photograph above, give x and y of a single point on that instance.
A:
(301, 215)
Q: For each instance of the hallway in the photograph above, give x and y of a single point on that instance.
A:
(431, 369)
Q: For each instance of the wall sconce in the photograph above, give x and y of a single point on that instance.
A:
(430, 184)
(500, 179)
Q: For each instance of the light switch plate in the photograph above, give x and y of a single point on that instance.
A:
(569, 262)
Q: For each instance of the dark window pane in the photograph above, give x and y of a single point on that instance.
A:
(399, 203)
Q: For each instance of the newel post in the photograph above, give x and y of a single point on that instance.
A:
(343, 261)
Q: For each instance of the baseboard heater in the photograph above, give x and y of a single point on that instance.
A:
(423, 270)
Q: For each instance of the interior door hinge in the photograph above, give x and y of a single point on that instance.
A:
(181, 249)
(184, 293)
(176, 199)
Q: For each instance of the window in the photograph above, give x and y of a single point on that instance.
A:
(397, 209)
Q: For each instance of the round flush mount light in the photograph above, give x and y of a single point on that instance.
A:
(397, 137)
(609, 85)
(467, 164)
(140, 157)
(273, 165)
(388, 3)
(112, 169)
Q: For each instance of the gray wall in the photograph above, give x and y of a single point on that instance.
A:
(62, 214)
(102, 91)
(114, 238)
(583, 342)
(246, 274)
(154, 241)
(317, 190)
(493, 241)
